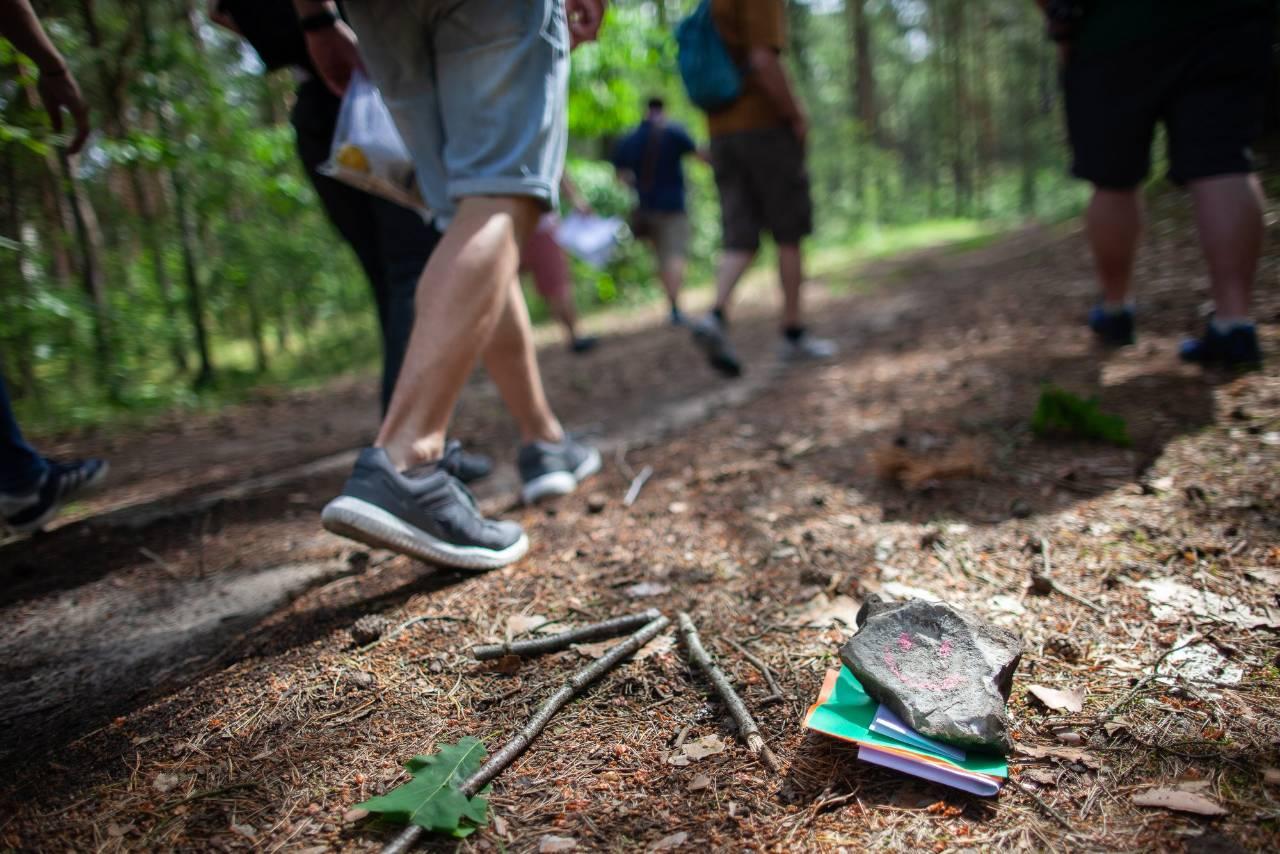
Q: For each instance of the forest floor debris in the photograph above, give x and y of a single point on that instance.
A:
(269, 746)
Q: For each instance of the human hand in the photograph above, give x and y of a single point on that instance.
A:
(584, 20)
(59, 91)
(335, 54)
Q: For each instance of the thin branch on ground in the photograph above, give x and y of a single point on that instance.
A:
(554, 643)
(637, 484)
(775, 693)
(1145, 681)
(1048, 810)
(514, 748)
(1046, 579)
(746, 724)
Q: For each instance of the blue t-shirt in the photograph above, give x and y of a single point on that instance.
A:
(660, 181)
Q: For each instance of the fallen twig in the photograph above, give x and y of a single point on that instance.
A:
(557, 701)
(1044, 578)
(637, 483)
(1142, 683)
(554, 643)
(746, 724)
(1050, 811)
(775, 695)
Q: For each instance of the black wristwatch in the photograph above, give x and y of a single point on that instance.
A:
(319, 21)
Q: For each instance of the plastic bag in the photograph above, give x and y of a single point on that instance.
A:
(367, 151)
(589, 237)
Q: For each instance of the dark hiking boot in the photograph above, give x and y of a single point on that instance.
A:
(425, 513)
(1112, 328)
(1236, 349)
(62, 482)
(552, 469)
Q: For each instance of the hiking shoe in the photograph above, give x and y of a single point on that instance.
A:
(466, 467)
(425, 513)
(1112, 328)
(61, 483)
(1236, 349)
(709, 334)
(550, 469)
(806, 348)
(585, 344)
(677, 318)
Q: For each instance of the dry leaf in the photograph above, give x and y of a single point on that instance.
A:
(1043, 776)
(1172, 601)
(917, 470)
(708, 745)
(645, 589)
(1200, 662)
(500, 826)
(702, 781)
(549, 844)
(1271, 776)
(355, 814)
(1172, 799)
(518, 624)
(667, 843)
(1068, 754)
(904, 592)
(1264, 575)
(1070, 701)
(822, 611)
(166, 782)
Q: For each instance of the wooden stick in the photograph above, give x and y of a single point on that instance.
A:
(554, 643)
(512, 750)
(633, 492)
(776, 693)
(746, 724)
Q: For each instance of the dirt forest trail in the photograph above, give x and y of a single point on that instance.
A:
(178, 672)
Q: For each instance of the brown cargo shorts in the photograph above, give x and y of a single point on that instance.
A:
(764, 186)
(668, 231)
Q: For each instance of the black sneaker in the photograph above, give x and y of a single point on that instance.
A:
(61, 483)
(466, 467)
(710, 335)
(1236, 349)
(555, 469)
(1112, 328)
(424, 513)
(582, 345)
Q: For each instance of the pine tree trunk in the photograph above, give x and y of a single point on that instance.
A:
(187, 233)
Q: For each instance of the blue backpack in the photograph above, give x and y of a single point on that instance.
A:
(711, 77)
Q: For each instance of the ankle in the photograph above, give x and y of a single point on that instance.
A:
(1223, 324)
(550, 432)
(405, 456)
(793, 332)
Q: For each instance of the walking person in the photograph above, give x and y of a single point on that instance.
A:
(543, 258)
(1202, 70)
(650, 159)
(33, 488)
(758, 154)
(479, 93)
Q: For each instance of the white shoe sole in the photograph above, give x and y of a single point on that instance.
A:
(369, 524)
(86, 488)
(557, 483)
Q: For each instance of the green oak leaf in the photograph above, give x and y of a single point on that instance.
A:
(433, 799)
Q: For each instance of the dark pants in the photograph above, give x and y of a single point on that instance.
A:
(20, 466)
(392, 242)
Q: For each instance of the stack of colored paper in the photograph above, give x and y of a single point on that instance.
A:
(844, 710)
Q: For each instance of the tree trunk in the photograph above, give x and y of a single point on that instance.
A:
(863, 71)
(89, 240)
(187, 232)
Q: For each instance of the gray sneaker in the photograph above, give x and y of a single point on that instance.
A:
(425, 513)
(549, 469)
(712, 338)
(806, 348)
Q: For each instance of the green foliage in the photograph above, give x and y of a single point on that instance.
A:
(432, 799)
(1061, 413)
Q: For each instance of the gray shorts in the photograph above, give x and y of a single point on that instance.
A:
(478, 89)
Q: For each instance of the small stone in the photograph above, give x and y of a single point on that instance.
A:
(1041, 584)
(360, 679)
(369, 628)
(946, 673)
(1070, 737)
(1020, 509)
(596, 503)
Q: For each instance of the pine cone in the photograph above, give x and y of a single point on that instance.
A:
(369, 628)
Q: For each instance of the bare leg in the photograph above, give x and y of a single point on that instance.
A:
(512, 363)
(791, 274)
(566, 314)
(1113, 224)
(672, 272)
(733, 263)
(461, 296)
(1229, 218)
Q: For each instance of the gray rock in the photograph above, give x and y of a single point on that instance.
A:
(947, 674)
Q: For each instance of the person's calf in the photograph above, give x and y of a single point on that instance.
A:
(1113, 224)
(1229, 218)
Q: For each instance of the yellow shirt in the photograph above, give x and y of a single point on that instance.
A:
(747, 24)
